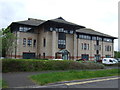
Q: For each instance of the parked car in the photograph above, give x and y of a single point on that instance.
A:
(2, 57)
(118, 59)
(109, 61)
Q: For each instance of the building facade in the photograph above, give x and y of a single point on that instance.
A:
(59, 39)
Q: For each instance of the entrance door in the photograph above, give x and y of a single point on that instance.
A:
(97, 57)
(65, 57)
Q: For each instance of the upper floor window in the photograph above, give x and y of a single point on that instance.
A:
(71, 32)
(107, 40)
(94, 38)
(34, 43)
(99, 38)
(108, 48)
(44, 42)
(85, 37)
(51, 29)
(61, 40)
(29, 42)
(24, 29)
(85, 46)
(24, 41)
(82, 46)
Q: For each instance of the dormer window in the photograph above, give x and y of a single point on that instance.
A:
(71, 32)
(51, 29)
(24, 29)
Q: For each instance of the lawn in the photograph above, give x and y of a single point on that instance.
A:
(53, 77)
(3, 84)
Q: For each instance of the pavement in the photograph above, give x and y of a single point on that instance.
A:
(22, 80)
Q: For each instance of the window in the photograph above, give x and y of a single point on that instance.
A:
(44, 42)
(82, 46)
(34, 43)
(85, 46)
(108, 48)
(29, 42)
(97, 57)
(95, 47)
(99, 47)
(107, 40)
(24, 29)
(108, 56)
(51, 29)
(99, 38)
(105, 60)
(85, 56)
(94, 38)
(44, 55)
(71, 32)
(61, 40)
(24, 41)
(87, 37)
(65, 31)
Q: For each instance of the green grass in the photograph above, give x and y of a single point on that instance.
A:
(71, 75)
(3, 84)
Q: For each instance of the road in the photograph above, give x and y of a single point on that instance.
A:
(101, 82)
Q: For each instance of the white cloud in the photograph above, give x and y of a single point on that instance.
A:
(100, 15)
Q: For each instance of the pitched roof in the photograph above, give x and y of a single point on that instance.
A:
(31, 21)
(37, 22)
(93, 32)
(61, 20)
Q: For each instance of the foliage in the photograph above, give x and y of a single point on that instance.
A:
(18, 65)
(0, 43)
(116, 54)
(53, 77)
(8, 39)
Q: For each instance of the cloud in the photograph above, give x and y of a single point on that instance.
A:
(100, 15)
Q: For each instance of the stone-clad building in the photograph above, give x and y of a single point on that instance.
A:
(59, 39)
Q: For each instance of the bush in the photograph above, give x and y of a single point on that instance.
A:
(20, 65)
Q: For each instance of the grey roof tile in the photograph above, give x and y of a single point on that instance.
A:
(61, 20)
(32, 22)
(93, 32)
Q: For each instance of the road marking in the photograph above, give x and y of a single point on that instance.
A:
(91, 81)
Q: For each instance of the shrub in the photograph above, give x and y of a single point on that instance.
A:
(20, 65)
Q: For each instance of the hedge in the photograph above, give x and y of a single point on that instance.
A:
(21, 65)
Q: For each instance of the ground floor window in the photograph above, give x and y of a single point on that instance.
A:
(85, 56)
(108, 56)
(28, 55)
(43, 55)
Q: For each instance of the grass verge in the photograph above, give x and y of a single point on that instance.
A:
(53, 77)
(3, 84)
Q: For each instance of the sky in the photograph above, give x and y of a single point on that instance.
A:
(100, 15)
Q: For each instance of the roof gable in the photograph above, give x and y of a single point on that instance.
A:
(61, 20)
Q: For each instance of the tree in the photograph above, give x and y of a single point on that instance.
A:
(8, 39)
(116, 54)
(0, 43)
